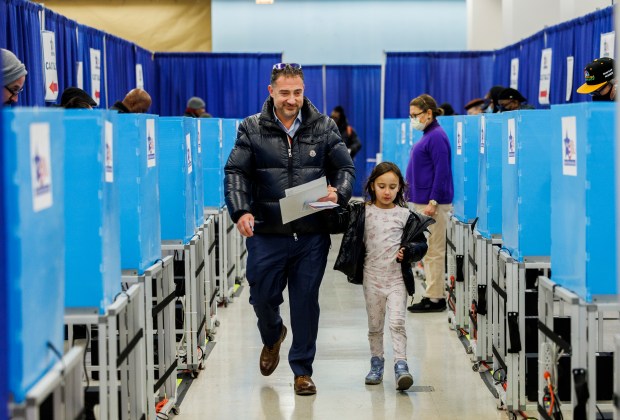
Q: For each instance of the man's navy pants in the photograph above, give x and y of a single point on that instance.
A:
(273, 262)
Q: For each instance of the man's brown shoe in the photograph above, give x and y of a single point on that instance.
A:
(304, 385)
(270, 356)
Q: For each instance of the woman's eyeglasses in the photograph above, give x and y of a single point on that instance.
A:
(412, 116)
(282, 66)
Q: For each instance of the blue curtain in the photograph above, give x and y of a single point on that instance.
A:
(501, 66)
(120, 68)
(529, 68)
(232, 85)
(23, 38)
(92, 38)
(358, 90)
(587, 31)
(561, 40)
(453, 77)
(65, 31)
(313, 82)
(145, 57)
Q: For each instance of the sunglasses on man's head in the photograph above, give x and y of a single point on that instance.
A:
(282, 66)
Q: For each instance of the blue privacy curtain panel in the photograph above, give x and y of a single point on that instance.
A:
(34, 244)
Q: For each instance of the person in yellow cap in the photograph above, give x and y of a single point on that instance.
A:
(600, 82)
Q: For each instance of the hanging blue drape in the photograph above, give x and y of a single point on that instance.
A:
(89, 38)
(232, 85)
(313, 82)
(120, 68)
(529, 68)
(65, 31)
(145, 58)
(501, 65)
(453, 77)
(23, 38)
(560, 39)
(358, 90)
(587, 32)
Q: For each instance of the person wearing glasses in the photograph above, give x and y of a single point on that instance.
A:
(431, 190)
(600, 82)
(13, 77)
(287, 144)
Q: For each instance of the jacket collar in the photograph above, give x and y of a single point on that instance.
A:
(431, 126)
(309, 113)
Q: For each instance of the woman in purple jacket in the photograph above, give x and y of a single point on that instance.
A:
(429, 175)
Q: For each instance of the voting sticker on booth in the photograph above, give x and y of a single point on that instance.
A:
(40, 164)
(198, 126)
(150, 143)
(109, 152)
(459, 138)
(482, 134)
(188, 153)
(569, 146)
(512, 139)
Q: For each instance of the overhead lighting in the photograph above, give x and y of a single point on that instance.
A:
(264, 1)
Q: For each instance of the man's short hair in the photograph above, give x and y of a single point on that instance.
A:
(286, 71)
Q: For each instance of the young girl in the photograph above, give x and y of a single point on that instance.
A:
(381, 240)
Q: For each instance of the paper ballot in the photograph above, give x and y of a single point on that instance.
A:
(297, 202)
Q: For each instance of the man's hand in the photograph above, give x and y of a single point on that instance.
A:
(245, 224)
(331, 195)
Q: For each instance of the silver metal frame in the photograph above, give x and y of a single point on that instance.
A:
(226, 249)
(586, 336)
(162, 274)
(64, 382)
(210, 244)
(128, 308)
(195, 300)
(460, 235)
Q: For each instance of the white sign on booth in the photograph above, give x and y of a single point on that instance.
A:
(545, 77)
(570, 64)
(150, 143)
(514, 73)
(40, 166)
(459, 138)
(482, 134)
(139, 77)
(512, 141)
(569, 146)
(608, 45)
(79, 74)
(49, 66)
(95, 75)
(109, 152)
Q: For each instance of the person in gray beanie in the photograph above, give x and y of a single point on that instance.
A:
(13, 77)
(196, 108)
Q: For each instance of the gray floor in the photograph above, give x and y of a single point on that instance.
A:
(231, 386)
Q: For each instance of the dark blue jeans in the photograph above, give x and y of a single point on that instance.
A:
(273, 262)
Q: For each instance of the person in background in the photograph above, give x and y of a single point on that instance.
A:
(348, 134)
(289, 143)
(137, 101)
(475, 106)
(382, 238)
(73, 97)
(511, 99)
(447, 109)
(600, 82)
(491, 103)
(431, 190)
(196, 108)
(13, 77)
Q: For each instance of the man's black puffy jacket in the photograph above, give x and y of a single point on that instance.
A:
(352, 253)
(260, 168)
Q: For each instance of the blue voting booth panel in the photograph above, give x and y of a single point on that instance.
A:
(449, 126)
(398, 141)
(92, 212)
(229, 136)
(194, 127)
(583, 199)
(465, 164)
(490, 176)
(32, 191)
(176, 182)
(138, 183)
(526, 179)
(212, 162)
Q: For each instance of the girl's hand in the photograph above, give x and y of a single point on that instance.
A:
(400, 255)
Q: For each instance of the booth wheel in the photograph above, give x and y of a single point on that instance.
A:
(176, 410)
(475, 367)
(194, 374)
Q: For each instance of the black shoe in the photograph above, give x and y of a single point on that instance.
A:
(427, 305)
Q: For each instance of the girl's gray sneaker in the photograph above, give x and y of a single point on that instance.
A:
(404, 380)
(375, 376)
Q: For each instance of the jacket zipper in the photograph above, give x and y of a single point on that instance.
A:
(289, 141)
